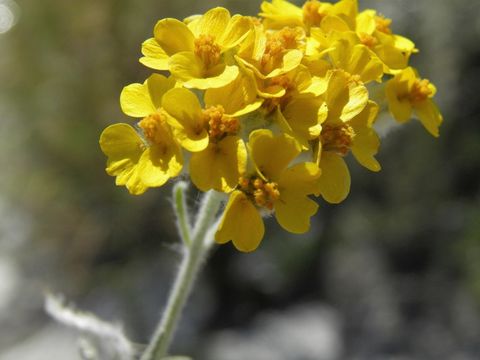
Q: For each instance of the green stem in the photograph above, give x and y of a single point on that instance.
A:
(193, 257)
(180, 207)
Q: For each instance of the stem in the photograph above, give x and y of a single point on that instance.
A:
(192, 260)
(180, 207)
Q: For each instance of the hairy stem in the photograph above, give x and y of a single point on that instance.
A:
(181, 212)
(192, 260)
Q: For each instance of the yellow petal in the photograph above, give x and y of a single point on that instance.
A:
(366, 22)
(213, 22)
(185, 66)
(184, 106)
(186, 118)
(345, 99)
(135, 101)
(241, 223)
(347, 10)
(272, 154)
(334, 23)
(160, 163)
(429, 116)
(154, 56)
(301, 178)
(189, 68)
(280, 13)
(236, 31)
(366, 141)
(335, 178)
(400, 109)
(364, 63)
(173, 36)
(291, 60)
(302, 115)
(220, 165)
(121, 141)
(365, 147)
(237, 98)
(152, 170)
(357, 100)
(157, 86)
(293, 211)
(123, 147)
(213, 81)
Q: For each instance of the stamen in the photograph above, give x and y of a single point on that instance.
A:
(420, 91)
(368, 40)
(337, 138)
(285, 82)
(263, 193)
(383, 24)
(277, 45)
(219, 125)
(208, 50)
(154, 128)
(311, 13)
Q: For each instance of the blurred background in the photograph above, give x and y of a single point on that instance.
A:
(391, 273)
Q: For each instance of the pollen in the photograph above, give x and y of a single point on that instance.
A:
(219, 125)
(263, 193)
(285, 82)
(278, 43)
(420, 91)
(311, 13)
(368, 40)
(208, 50)
(337, 138)
(154, 128)
(383, 24)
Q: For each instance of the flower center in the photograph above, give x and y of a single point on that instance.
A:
(208, 50)
(368, 40)
(420, 91)
(383, 24)
(337, 138)
(312, 16)
(218, 124)
(263, 193)
(285, 82)
(154, 128)
(277, 45)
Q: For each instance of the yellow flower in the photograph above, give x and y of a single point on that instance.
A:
(356, 59)
(393, 50)
(273, 53)
(273, 186)
(407, 93)
(211, 134)
(348, 127)
(281, 13)
(140, 163)
(197, 53)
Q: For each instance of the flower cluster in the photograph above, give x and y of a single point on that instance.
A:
(266, 108)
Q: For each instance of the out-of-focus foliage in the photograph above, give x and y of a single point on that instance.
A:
(393, 271)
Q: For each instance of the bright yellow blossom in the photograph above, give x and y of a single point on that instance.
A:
(211, 134)
(140, 162)
(347, 127)
(281, 13)
(408, 94)
(197, 53)
(266, 109)
(274, 54)
(273, 186)
(393, 50)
